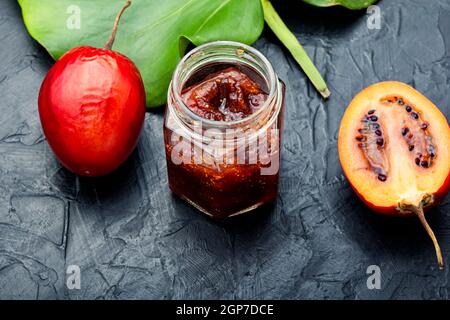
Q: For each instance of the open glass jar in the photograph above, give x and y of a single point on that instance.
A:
(222, 129)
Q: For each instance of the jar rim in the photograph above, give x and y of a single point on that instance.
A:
(270, 76)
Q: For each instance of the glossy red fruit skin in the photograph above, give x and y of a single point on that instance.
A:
(92, 109)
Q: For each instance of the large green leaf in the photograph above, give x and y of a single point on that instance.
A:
(350, 4)
(152, 32)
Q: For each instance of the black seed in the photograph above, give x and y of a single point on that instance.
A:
(431, 151)
(417, 161)
(374, 118)
(405, 131)
(424, 164)
(382, 177)
(411, 147)
(371, 111)
(380, 141)
(414, 115)
(360, 138)
(400, 101)
(408, 108)
(378, 132)
(425, 125)
(376, 126)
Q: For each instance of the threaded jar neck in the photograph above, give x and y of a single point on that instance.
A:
(227, 53)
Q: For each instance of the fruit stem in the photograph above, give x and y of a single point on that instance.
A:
(418, 211)
(295, 48)
(109, 44)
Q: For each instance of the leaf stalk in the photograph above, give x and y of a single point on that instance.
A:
(283, 33)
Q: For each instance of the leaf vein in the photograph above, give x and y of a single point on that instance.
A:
(139, 32)
(212, 15)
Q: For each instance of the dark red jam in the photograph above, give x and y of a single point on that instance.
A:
(222, 189)
(226, 95)
(225, 191)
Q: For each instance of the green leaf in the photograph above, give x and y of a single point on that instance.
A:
(153, 33)
(350, 4)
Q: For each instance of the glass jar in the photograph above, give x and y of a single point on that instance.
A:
(224, 168)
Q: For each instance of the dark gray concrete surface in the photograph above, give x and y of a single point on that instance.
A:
(133, 239)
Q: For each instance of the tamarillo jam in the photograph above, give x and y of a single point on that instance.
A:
(225, 95)
(222, 129)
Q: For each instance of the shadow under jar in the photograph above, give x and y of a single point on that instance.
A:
(222, 129)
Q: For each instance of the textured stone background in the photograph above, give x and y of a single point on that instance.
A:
(133, 239)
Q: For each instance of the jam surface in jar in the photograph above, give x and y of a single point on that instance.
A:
(225, 95)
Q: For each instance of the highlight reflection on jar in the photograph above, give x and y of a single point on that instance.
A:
(222, 129)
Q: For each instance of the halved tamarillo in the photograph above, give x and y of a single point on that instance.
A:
(394, 148)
